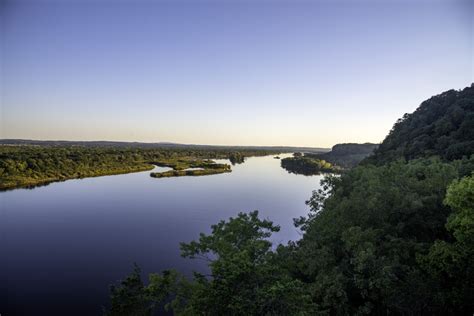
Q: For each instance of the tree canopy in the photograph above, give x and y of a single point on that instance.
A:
(443, 126)
(306, 165)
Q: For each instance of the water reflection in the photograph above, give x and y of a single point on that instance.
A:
(64, 243)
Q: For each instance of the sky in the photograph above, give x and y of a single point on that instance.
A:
(299, 73)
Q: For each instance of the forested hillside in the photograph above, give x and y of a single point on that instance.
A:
(385, 238)
(443, 125)
(393, 236)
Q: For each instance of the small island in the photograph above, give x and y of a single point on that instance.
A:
(190, 167)
(307, 165)
(236, 158)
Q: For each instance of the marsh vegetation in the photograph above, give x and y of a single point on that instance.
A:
(190, 167)
(27, 165)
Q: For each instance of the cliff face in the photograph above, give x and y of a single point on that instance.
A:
(348, 155)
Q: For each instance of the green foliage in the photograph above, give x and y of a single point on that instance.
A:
(171, 290)
(361, 242)
(130, 297)
(244, 275)
(236, 158)
(23, 166)
(306, 165)
(460, 198)
(442, 126)
(449, 262)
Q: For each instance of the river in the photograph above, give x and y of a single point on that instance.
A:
(64, 243)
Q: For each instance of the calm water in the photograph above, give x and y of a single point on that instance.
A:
(63, 244)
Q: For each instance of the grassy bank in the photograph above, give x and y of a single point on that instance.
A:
(30, 182)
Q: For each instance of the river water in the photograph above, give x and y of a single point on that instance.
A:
(64, 243)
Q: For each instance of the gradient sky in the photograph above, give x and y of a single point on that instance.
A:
(312, 73)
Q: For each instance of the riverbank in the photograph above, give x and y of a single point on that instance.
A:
(29, 183)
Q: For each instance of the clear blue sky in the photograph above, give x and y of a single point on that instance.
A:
(310, 73)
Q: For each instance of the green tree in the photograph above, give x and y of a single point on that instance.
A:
(246, 277)
(130, 297)
(365, 232)
(450, 262)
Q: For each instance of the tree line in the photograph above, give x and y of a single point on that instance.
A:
(306, 165)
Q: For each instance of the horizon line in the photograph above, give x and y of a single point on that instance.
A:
(170, 143)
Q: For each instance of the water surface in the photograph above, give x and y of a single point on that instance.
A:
(63, 244)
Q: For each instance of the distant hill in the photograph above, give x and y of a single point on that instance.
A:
(442, 126)
(347, 155)
(154, 145)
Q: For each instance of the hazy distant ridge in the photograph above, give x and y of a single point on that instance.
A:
(150, 145)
